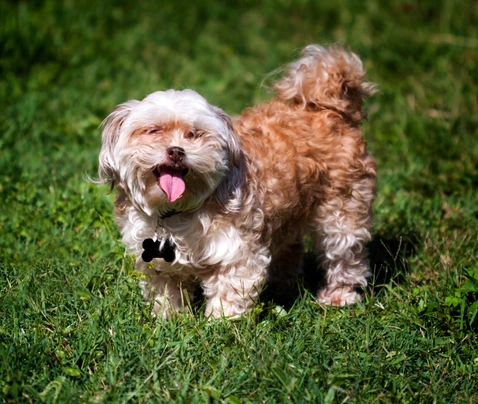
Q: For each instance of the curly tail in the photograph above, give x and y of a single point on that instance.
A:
(326, 79)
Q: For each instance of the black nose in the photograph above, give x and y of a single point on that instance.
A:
(176, 154)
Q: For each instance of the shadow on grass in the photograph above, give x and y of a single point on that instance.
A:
(388, 262)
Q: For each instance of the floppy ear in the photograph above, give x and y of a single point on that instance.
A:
(228, 193)
(107, 170)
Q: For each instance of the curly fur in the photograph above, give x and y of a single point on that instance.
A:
(255, 185)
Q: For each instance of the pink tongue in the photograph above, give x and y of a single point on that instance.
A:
(171, 182)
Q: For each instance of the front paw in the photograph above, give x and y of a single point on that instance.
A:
(171, 298)
(160, 311)
(217, 308)
(339, 295)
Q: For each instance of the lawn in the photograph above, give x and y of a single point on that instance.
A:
(73, 327)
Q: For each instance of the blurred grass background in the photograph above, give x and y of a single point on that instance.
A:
(72, 325)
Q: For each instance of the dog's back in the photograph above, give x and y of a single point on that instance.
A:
(307, 142)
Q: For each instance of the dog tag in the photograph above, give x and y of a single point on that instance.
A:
(151, 250)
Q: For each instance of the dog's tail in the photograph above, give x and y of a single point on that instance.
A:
(326, 79)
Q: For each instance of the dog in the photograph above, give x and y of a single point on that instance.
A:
(203, 198)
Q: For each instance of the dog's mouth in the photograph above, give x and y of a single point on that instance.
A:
(171, 180)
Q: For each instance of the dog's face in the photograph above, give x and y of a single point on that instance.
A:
(170, 151)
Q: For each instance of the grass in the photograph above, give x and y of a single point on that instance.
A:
(72, 324)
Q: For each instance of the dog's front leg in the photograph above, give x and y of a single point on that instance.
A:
(231, 290)
(168, 292)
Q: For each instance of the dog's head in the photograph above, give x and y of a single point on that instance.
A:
(170, 152)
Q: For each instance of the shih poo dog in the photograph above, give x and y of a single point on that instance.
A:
(226, 202)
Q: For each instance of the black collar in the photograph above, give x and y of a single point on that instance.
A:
(168, 214)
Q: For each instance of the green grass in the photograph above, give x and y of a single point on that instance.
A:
(73, 327)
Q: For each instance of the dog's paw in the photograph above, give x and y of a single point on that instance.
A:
(222, 308)
(341, 295)
(161, 310)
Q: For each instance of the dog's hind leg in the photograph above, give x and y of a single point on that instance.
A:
(284, 269)
(343, 231)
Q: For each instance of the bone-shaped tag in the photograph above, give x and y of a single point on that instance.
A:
(151, 250)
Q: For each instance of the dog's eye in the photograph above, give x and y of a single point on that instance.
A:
(152, 131)
(194, 134)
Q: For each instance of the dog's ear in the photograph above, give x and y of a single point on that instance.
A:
(107, 169)
(228, 193)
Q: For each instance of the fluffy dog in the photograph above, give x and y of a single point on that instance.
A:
(227, 201)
